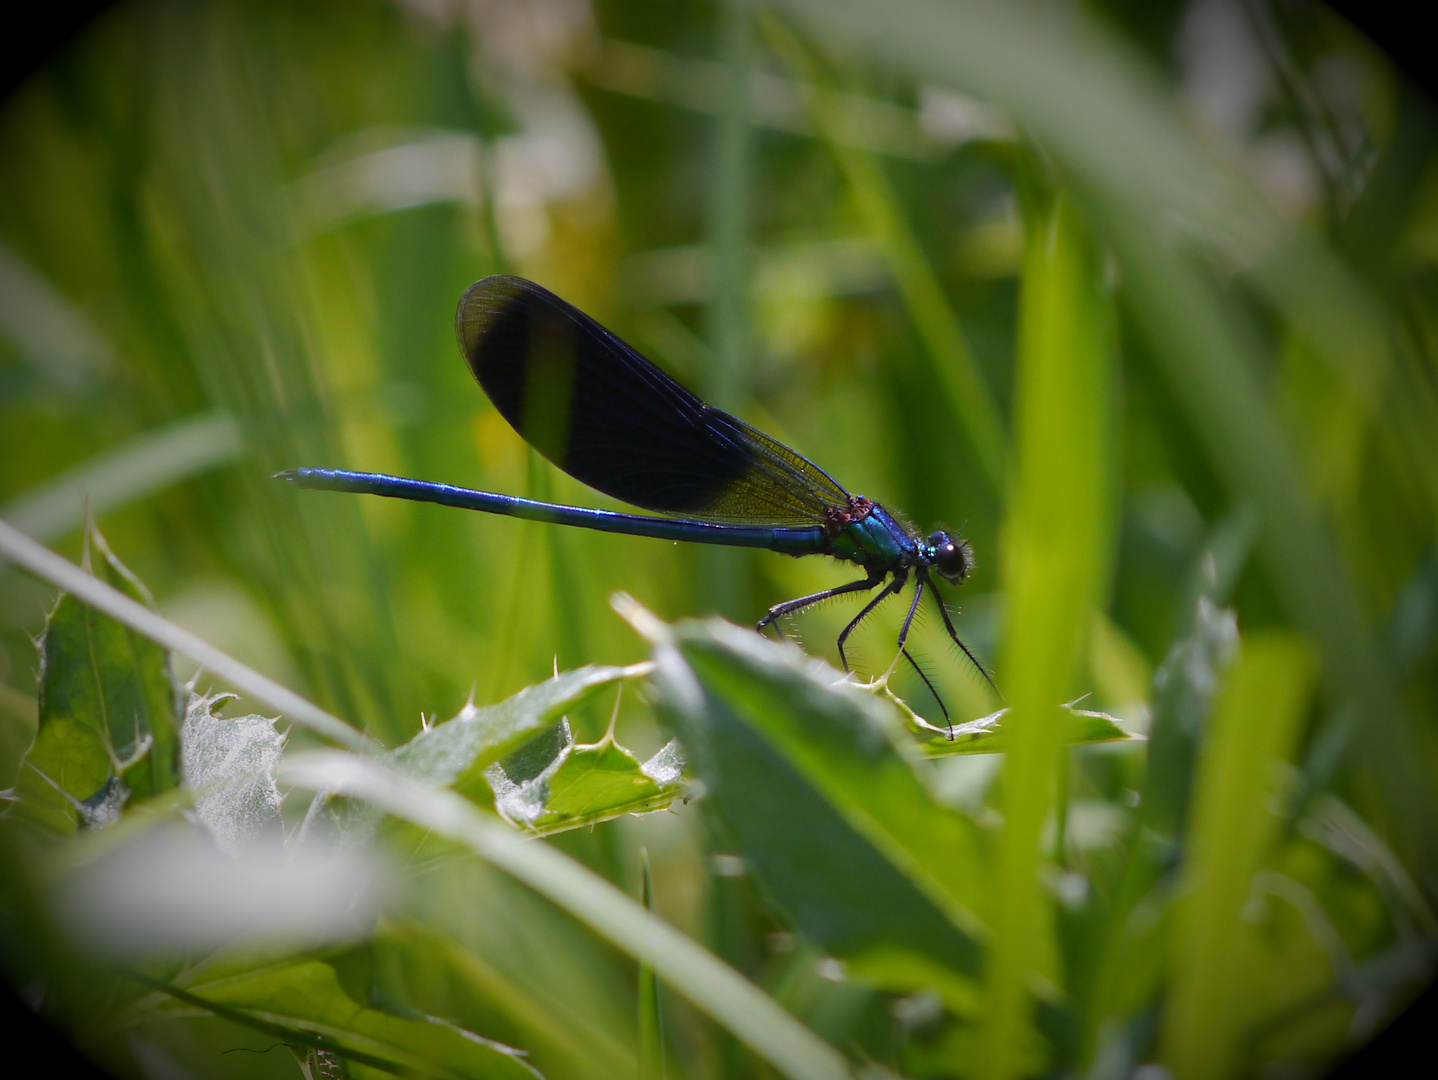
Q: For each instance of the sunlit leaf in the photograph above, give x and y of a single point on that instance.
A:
(583, 784)
(815, 783)
(457, 752)
(108, 713)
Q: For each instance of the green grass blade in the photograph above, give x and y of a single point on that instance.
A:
(727, 378)
(952, 362)
(1057, 564)
(1254, 728)
(651, 1022)
(753, 1017)
(132, 470)
(729, 375)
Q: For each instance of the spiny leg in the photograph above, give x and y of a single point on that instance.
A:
(949, 626)
(889, 590)
(919, 582)
(949, 720)
(789, 607)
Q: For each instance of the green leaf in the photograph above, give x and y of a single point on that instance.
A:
(326, 1005)
(815, 783)
(584, 784)
(457, 752)
(514, 749)
(592, 779)
(108, 713)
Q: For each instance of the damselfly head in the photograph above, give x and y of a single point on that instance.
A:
(953, 559)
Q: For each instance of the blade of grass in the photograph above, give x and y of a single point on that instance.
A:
(1254, 728)
(63, 574)
(952, 362)
(144, 464)
(728, 377)
(624, 67)
(651, 1022)
(51, 333)
(247, 309)
(1056, 561)
(711, 985)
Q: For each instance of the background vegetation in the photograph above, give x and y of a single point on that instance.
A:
(1139, 297)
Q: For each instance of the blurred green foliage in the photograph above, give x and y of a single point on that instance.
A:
(1142, 298)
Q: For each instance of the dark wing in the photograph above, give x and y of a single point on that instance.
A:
(608, 417)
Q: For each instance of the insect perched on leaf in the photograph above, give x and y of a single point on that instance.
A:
(608, 417)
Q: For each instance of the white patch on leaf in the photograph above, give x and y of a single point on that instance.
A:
(666, 767)
(521, 801)
(229, 766)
